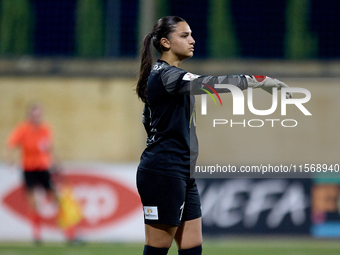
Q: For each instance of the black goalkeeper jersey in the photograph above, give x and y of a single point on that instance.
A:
(169, 118)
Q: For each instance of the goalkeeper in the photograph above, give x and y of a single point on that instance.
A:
(169, 196)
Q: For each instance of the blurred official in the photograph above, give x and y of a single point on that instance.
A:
(34, 139)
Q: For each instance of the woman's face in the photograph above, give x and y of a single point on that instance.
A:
(181, 42)
(35, 114)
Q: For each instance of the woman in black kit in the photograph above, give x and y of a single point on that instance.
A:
(169, 196)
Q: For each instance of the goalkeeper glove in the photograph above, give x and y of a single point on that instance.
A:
(266, 83)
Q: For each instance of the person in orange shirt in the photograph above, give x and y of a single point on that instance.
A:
(34, 138)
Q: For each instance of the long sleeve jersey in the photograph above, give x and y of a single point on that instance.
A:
(172, 145)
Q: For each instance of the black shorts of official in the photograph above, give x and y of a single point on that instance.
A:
(168, 200)
(38, 178)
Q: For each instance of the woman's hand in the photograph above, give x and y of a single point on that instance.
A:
(266, 83)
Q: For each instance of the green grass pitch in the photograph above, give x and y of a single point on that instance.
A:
(226, 246)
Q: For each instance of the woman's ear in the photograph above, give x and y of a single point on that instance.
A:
(165, 43)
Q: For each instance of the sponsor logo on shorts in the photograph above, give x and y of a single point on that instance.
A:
(151, 212)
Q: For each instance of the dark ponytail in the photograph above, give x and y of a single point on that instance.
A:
(145, 68)
(162, 29)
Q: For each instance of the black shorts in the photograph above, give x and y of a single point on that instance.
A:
(38, 178)
(168, 200)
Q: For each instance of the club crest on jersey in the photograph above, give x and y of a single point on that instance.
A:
(190, 77)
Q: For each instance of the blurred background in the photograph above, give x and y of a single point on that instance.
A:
(80, 59)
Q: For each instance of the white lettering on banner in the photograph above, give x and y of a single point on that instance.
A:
(99, 201)
(261, 199)
(228, 203)
(222, 204)
(118, 214)
(294, 203)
